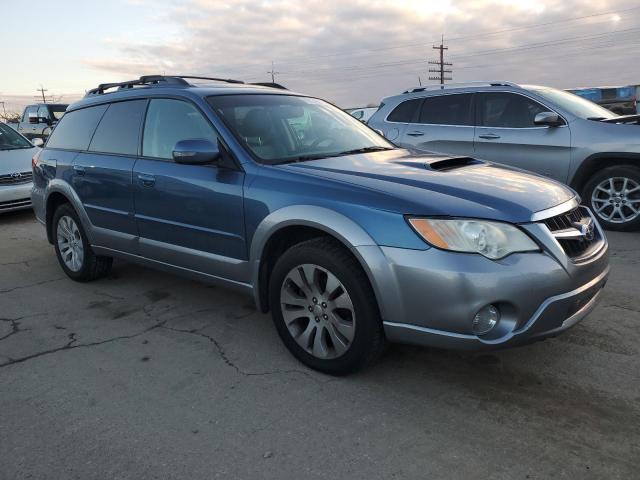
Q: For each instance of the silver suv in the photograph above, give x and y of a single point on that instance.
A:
(541, 129)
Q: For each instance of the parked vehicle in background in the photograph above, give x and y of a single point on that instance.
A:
(16, 153)
(620, 100)
(347, 239)
(362, 114)
(39, 119)
(541, 129)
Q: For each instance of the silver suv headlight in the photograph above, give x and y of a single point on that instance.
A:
(494, 240)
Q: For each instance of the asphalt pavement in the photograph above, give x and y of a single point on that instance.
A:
(148, 375)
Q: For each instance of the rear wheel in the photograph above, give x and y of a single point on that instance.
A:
(614, 196)
(73, 250)
(324, 308)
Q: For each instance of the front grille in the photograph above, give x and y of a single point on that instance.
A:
(16, 178)
(567, 229)
(11, 204)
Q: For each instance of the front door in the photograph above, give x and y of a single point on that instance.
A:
(190, 216)
(505, 133)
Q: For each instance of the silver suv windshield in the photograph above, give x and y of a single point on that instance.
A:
(287, 128)
(574, 104)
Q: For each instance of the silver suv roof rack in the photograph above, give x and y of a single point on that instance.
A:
(445, 86)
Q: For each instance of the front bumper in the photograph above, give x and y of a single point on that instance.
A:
(15, 197)
(430, 297)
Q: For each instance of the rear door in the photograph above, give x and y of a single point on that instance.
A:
(401, 117)
(189, 216)
(444, 125)
(102, 175)
(505, 133)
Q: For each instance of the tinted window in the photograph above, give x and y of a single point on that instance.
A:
(10, 140)
(447, 110)
(43, 112)
(29, 111)
(168, 122)
(507, 110)
(119, 129)
(75, 129)
(405, 112)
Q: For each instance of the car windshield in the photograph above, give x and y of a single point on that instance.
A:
(574, 104)
(288, 128)
(57, 111)
(10, 139)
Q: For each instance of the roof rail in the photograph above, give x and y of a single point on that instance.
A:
(154, 80)
(460, 85)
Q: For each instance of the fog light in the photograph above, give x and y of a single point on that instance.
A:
(486, 318)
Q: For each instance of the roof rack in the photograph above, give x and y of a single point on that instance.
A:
(269, 84)
(460, 85)
(150, 80)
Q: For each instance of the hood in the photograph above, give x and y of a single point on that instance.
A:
(19, 160)
(443, 186)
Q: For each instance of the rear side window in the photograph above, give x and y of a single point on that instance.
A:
(169, 121)
(447, 110)
(406, 112)
(119, 129)
(32, 110)
(75, 129)
(507, 110)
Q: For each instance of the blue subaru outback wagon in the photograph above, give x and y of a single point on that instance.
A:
(349, 241)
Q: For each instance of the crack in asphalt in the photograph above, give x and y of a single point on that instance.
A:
(224, 357)
(623, 307)
(15, 324)
(72, 344)
(20, 287)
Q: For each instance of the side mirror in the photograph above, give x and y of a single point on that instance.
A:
(197, 151)
(33, 118)
(548, 119)
(37, 142)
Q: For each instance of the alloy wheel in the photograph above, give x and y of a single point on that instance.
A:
(318, 311)
(617, 199)
(70, 243)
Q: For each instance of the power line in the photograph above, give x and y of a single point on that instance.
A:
(42, 90)
(441, 64)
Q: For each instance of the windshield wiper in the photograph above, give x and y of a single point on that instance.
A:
(318, 156)
(376, 148)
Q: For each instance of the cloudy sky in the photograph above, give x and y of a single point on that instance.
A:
(350, 52)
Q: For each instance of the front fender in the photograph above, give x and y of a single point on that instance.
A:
(348, 232)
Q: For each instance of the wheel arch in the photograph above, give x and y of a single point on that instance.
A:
(291, 225)
(58, 193)
(598, 161)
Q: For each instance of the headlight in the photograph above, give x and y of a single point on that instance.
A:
(494, 240)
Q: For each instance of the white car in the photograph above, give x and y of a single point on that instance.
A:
(16, 153)
(363, 114)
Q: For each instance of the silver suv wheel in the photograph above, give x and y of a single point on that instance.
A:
(70, 243)
(617, 199)
(318, 311)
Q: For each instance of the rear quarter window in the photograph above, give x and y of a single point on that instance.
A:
(75, 129)
(406, 112)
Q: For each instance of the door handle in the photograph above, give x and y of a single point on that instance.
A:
(146, 180)
(415, 133)
(79, 169)
(489, 136)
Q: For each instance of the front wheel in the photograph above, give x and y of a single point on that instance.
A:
(324, 308)
(614, 196)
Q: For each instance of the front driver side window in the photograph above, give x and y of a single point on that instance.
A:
(507, 110)
(169, 121)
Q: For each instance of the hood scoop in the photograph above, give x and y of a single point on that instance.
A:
(452, 163)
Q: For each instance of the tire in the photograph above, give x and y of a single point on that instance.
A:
(87, 265)
(314, 321)
(610, 207)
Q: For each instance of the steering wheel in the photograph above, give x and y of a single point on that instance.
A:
(318, 141)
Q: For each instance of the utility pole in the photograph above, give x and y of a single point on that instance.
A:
(42, 90)
(273, 73)
(4, 110)
(441, 64)
(419, 80)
